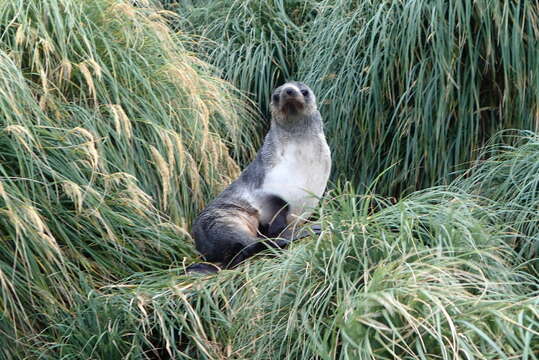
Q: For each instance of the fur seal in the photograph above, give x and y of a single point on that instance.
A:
(275, 193)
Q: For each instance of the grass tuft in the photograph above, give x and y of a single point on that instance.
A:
(112, 136)
(252, 43)
(410, 89)
(509, 180)
(420, 86)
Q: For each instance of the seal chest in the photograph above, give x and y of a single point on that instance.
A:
(300, 174)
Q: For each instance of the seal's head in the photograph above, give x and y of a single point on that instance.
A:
(292, 100)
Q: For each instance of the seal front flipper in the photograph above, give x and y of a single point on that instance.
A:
(274, 215)
(255, 248)
(202, 268)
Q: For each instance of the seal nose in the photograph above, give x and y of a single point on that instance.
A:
(290, 91)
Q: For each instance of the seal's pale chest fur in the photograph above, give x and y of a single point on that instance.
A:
(300, 173)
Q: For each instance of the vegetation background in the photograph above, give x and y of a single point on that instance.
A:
(120, 119)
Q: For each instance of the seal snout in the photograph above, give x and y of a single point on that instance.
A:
(291, 99)
(290, 91)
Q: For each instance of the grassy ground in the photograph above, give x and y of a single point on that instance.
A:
(114, 133)
(431, 276)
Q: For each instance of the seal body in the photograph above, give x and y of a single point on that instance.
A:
(278, 191)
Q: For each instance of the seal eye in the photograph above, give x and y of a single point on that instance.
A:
(275, 98)
(305, 93)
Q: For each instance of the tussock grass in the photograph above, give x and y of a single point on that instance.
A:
(427, 277)
(420, 85)
(112, 136)
(414, 86)
(510, 179)
(253, 43)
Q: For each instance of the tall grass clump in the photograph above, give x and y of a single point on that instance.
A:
(253, 43)
(414, 86)
(111, 138)
(427, 277)
(510, 179)
(419, 86)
